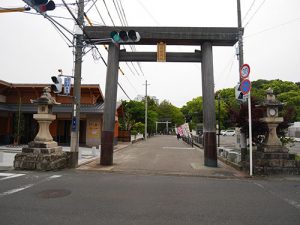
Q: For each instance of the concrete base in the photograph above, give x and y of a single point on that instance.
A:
(273, 148)
(267, 163)
(41, 156)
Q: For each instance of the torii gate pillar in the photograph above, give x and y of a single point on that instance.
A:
(209, 114)
(111, 87)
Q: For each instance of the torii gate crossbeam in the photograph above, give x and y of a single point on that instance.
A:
(206, 37)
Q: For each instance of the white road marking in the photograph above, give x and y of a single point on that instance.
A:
(15, 190)
(54, 176)
(293, 203)
(289, 201)
(178, 148)
(10, 175)
(21, 188)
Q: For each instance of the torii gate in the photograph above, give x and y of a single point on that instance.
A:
(206, 37)
(167, 125)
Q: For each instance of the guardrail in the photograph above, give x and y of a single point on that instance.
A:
(194, 140)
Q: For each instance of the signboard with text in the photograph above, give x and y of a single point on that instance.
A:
(67, 85)
(161, 52)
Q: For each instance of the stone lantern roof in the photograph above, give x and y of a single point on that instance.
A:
(45, 98)
(271, 99)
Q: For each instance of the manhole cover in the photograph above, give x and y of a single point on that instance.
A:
(54, 193)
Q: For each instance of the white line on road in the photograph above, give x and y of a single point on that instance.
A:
(54, 176)
(10, 175)
(178, 148)
(12, 191)
(15, 190)
(289, 201)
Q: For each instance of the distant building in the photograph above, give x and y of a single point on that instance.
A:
(140, 98)
(15, 98)
(294, 130)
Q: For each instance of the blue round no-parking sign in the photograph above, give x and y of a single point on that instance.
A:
(245, 86)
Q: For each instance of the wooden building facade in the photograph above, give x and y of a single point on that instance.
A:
(16, 114)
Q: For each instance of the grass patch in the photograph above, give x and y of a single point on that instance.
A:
(297, 157)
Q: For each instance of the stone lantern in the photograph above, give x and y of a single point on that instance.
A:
(42, 153)
(272, 157)
(272, 142)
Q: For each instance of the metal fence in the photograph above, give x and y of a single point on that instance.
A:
(194, 140)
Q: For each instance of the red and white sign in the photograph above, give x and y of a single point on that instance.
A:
(245, 71)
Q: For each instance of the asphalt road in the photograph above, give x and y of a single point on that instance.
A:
(161, 181)
(73, 197)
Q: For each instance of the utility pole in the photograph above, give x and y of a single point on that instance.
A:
(241, 62)
(77, 88)
(146, 110)
(241, 51)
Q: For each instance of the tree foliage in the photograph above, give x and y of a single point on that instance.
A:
(169, 113)
(285, 91)
(134, 116)
(231, 112)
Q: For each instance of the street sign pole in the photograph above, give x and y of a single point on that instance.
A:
(246, 89)
(250, 134)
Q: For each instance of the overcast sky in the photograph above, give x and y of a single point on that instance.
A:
(32, 50)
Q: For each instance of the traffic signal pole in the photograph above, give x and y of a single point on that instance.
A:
(74, 145)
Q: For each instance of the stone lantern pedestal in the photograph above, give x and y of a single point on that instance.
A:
(42, 153)
(271, 156)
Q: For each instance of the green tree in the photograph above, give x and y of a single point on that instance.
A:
(18, 127)
(134, 112)
(138, 128)
(168, 112)
(193, 112)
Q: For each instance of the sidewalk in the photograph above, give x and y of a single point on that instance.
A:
(86, 154)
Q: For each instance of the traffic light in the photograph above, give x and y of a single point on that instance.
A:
(41, 6)
(57, 86)
(238, 93)
(125, 36)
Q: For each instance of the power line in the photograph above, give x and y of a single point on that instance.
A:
(131, 84)
(77, 22)
(259, 7)
(248, 10)
(121, 15)
(55, 24)
(94, 2)
(96, 58)
(122, 8)
(117, 10)
(272, 28)
(115, 25)
(108, 13)
(98, 12)
(122, 12)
